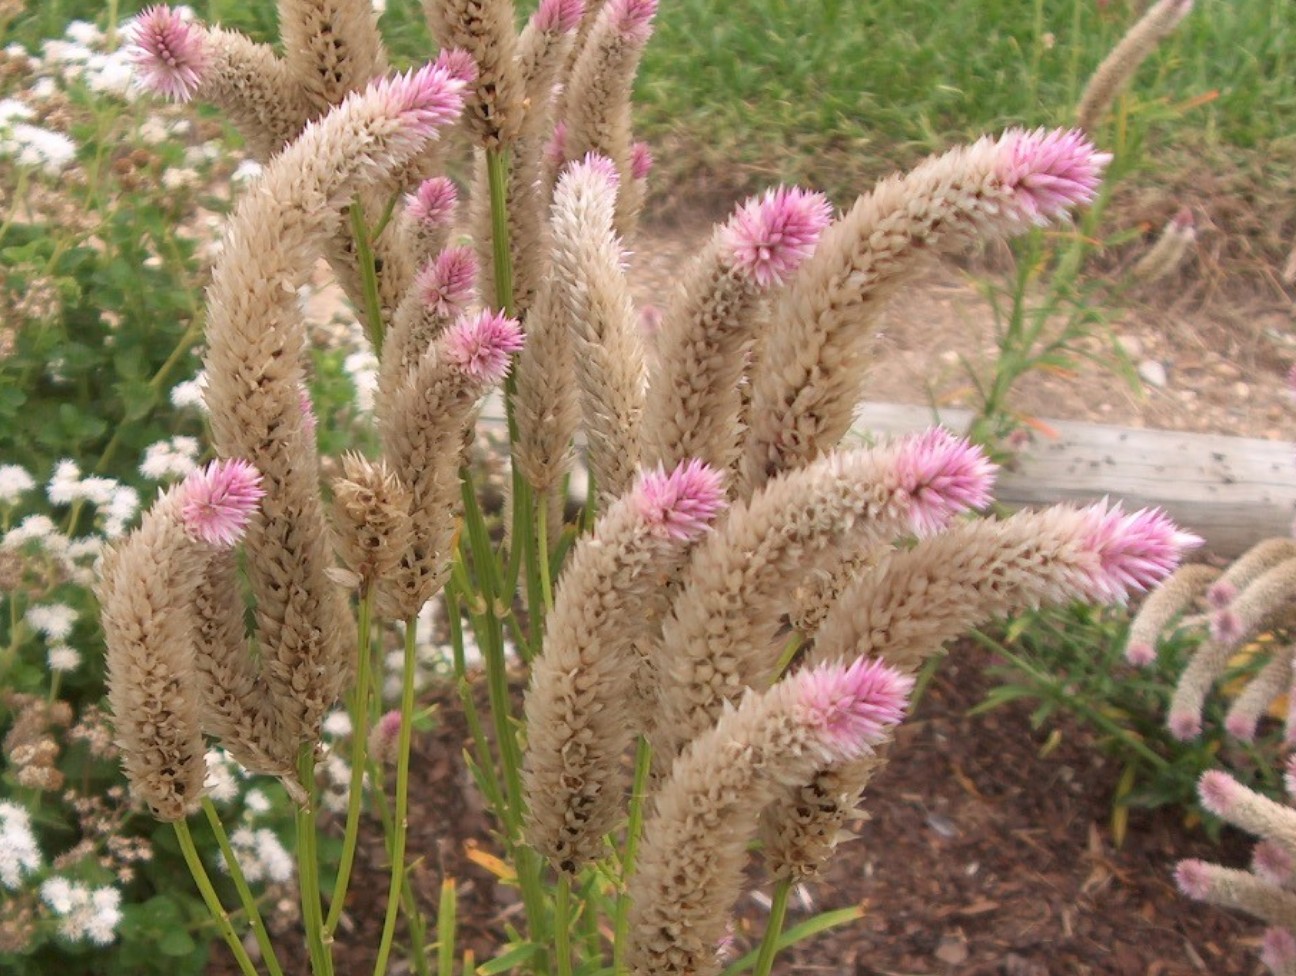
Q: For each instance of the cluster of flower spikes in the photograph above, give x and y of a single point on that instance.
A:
(716, 451)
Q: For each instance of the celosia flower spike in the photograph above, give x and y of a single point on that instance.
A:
(1272, 862)
(1278, 950)
(641, 161)
(1193, 878)
(1050, 171)
(632, 19)
(422, 100)
(445, 285)
(168, 51)
(853, 707)
(217, 501)
(434, 202)
(771, 235)
(1132, 552)
(481, 345)
(942, 475)
(558, 16)
(681, 504)
(458, 63)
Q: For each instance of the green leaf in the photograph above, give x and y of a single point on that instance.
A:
(176, 942)
(511, 959)
(799, 933)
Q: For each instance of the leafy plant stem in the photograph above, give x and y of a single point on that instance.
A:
(308, 868)
(244, 892)
(773, 928)
(562, 924)
(634, 827)
(209, 896)
(368, 275)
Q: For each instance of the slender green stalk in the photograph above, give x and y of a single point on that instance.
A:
(401, 825)
(562, 924)
(368, 275)
(773, 929)
(638, 800)
(209, 896)
(244, 892)
(447, 912)
(409, 905)
(359, 747)
(308, 870)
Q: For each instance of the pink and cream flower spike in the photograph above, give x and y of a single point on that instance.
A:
(943, 475)
(216, 502)
(1049, 171)
(423, 99)
(433, 203)
(632, 19)
(772, 234)
(681, 504)
(558, 16)
(458, 64)
(852, 707)
(167, 49)
(445, 284)
(1131, 551)
(481, 345)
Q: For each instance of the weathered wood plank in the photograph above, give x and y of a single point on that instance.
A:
(1232, 491)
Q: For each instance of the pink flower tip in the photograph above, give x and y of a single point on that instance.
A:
(1049, 171)
(168, 52)
(1193, 878)
(770, 235)
(942, 475)
(1241, 727)
(1220, 594)
(433, 203)
(650, 320)
(558, 16)
(1218, 791)
(632, 19)
(384, 737)
(458, 64)
(555, 150)
(1140, 654)
(682, 503)
(1183, 221)
(481, 345)
(641, 161)
(1130, 551)
(1184, 725)
(1272, 862)
(445, 284)
(852, 707)
(1278, 949)
(217, 501)
(309, 421)
(1225, 627)
(424, 99)
(594, 167)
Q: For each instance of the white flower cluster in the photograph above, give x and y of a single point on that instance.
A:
(84, 913)
(79, 57)
(54, 622)
(261, 856)
(172, 458)
(30, 145)
(362, 367)
(76, 558)
(19, 854)
(15, 481)
(117, 503)
(190, 393)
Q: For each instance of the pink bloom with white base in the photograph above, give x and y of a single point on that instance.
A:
(854, 706)
(1184, 725)
(1050, 171)
(445, 284)
(558, 16)
(632, 19)
(772, 234)
(943, 475)
(1225, 626)
(422, 100)
(1140, 654)
(1193, 877)
(481, 345)
(457, 63)
(168, 51)
(682, 504)
(1218, 791)
(1132, 552)
(217, 501)
(641, 161)
(1272, 862)
(433, 203)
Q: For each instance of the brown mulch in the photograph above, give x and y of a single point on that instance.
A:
(981, 859)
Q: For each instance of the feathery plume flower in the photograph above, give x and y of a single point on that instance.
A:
(168, 53)
(216, 502)
(1048, 172)
(1218, 791)
(578, 708)
(446, 284)
(371, 518)
(558, 16)
(481, 345)
(632, 19)
(942, 475)
(772, 234)
(422, 100)
(694, 849)
(484, 30)
(384, 736)
(433, 202)
(1221, 594)
(458, 63)
(1226, 627)
(1133, 551)
(330, 47)
(1264, 688)
(1272, 862)
(641, 161)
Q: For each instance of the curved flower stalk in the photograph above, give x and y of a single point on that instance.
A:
(1265, 891)
(146, 592)
(904, 609)
(581, 685)
(693, 403)
(717, 640)
(1119, 66)
(422, 440)
(809, 366)
(1258, 591)
(695, 843)
(256, 340)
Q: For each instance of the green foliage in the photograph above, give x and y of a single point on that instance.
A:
(1070, 662)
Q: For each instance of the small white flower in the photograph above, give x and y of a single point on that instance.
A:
(99, 491)
(221, 783)
(43, 89)
(362, 367)
(64, 485)
(256, 801)
(337, 724)
(12, 110)
(57, 892)
(153, 131)
(246, 172)
(19, 854)
(32, 527)
(53, 620)
(190, 393)
(14, 483)
(105, 915)
(84, 33)
(277, 862)
(64, 658)
(177, 178)
(174, 458)
(38, 148)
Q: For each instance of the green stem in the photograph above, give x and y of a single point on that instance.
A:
(401, 824)
(359, 747)
(214, 906)
(308, 869)
(562, 924)
(638, 798)
(773, 929)
(244, 892)
(368, 275)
